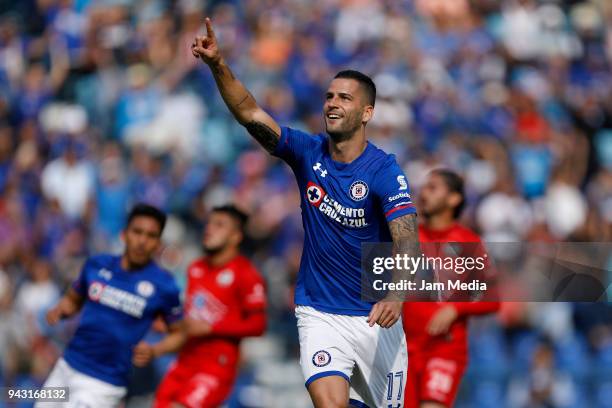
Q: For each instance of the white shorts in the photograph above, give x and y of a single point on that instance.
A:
(83, 391)
(373, 360)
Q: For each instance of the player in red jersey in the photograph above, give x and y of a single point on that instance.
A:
(436, 333)
(225, 301)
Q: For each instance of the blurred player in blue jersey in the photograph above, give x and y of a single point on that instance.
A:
(351, 352)
(119, 296)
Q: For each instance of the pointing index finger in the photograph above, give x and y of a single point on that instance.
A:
(209, 30)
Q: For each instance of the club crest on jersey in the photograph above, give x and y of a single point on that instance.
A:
(358, 190)
(225, 278)
(145, 288)
(314, 194)
(321, 358)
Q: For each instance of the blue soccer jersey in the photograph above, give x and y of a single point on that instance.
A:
(343, 205)
(119, 309)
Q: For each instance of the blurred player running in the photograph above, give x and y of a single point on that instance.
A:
(225, 302)
(351, 351)
(119, 296)
(437, 332)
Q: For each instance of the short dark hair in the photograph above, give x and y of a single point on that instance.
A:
(364, 80)
(231, 210)
(146, 210)
(454, 183)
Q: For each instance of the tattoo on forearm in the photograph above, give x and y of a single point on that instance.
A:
(404, 229)
(405, 233)
(220, 70)
(216, 70)
(266, 137)
(231, 74)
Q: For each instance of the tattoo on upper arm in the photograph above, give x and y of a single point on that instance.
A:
(266, 137)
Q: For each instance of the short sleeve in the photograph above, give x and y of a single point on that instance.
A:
(252, 290)
(80, 284)
(171, 310)
(393, 190)
(294, 144)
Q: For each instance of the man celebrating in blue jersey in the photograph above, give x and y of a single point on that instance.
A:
(351, 352)
(119, 296)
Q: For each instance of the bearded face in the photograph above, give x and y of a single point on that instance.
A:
(345, 109)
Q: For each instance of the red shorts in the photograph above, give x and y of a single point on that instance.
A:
(433, 378)
(192, 388)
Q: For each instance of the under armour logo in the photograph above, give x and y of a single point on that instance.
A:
(317, 167)
(106, 274)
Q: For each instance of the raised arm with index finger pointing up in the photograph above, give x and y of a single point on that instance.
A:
(237, 98)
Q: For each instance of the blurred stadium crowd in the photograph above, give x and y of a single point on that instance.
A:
(102, 105)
